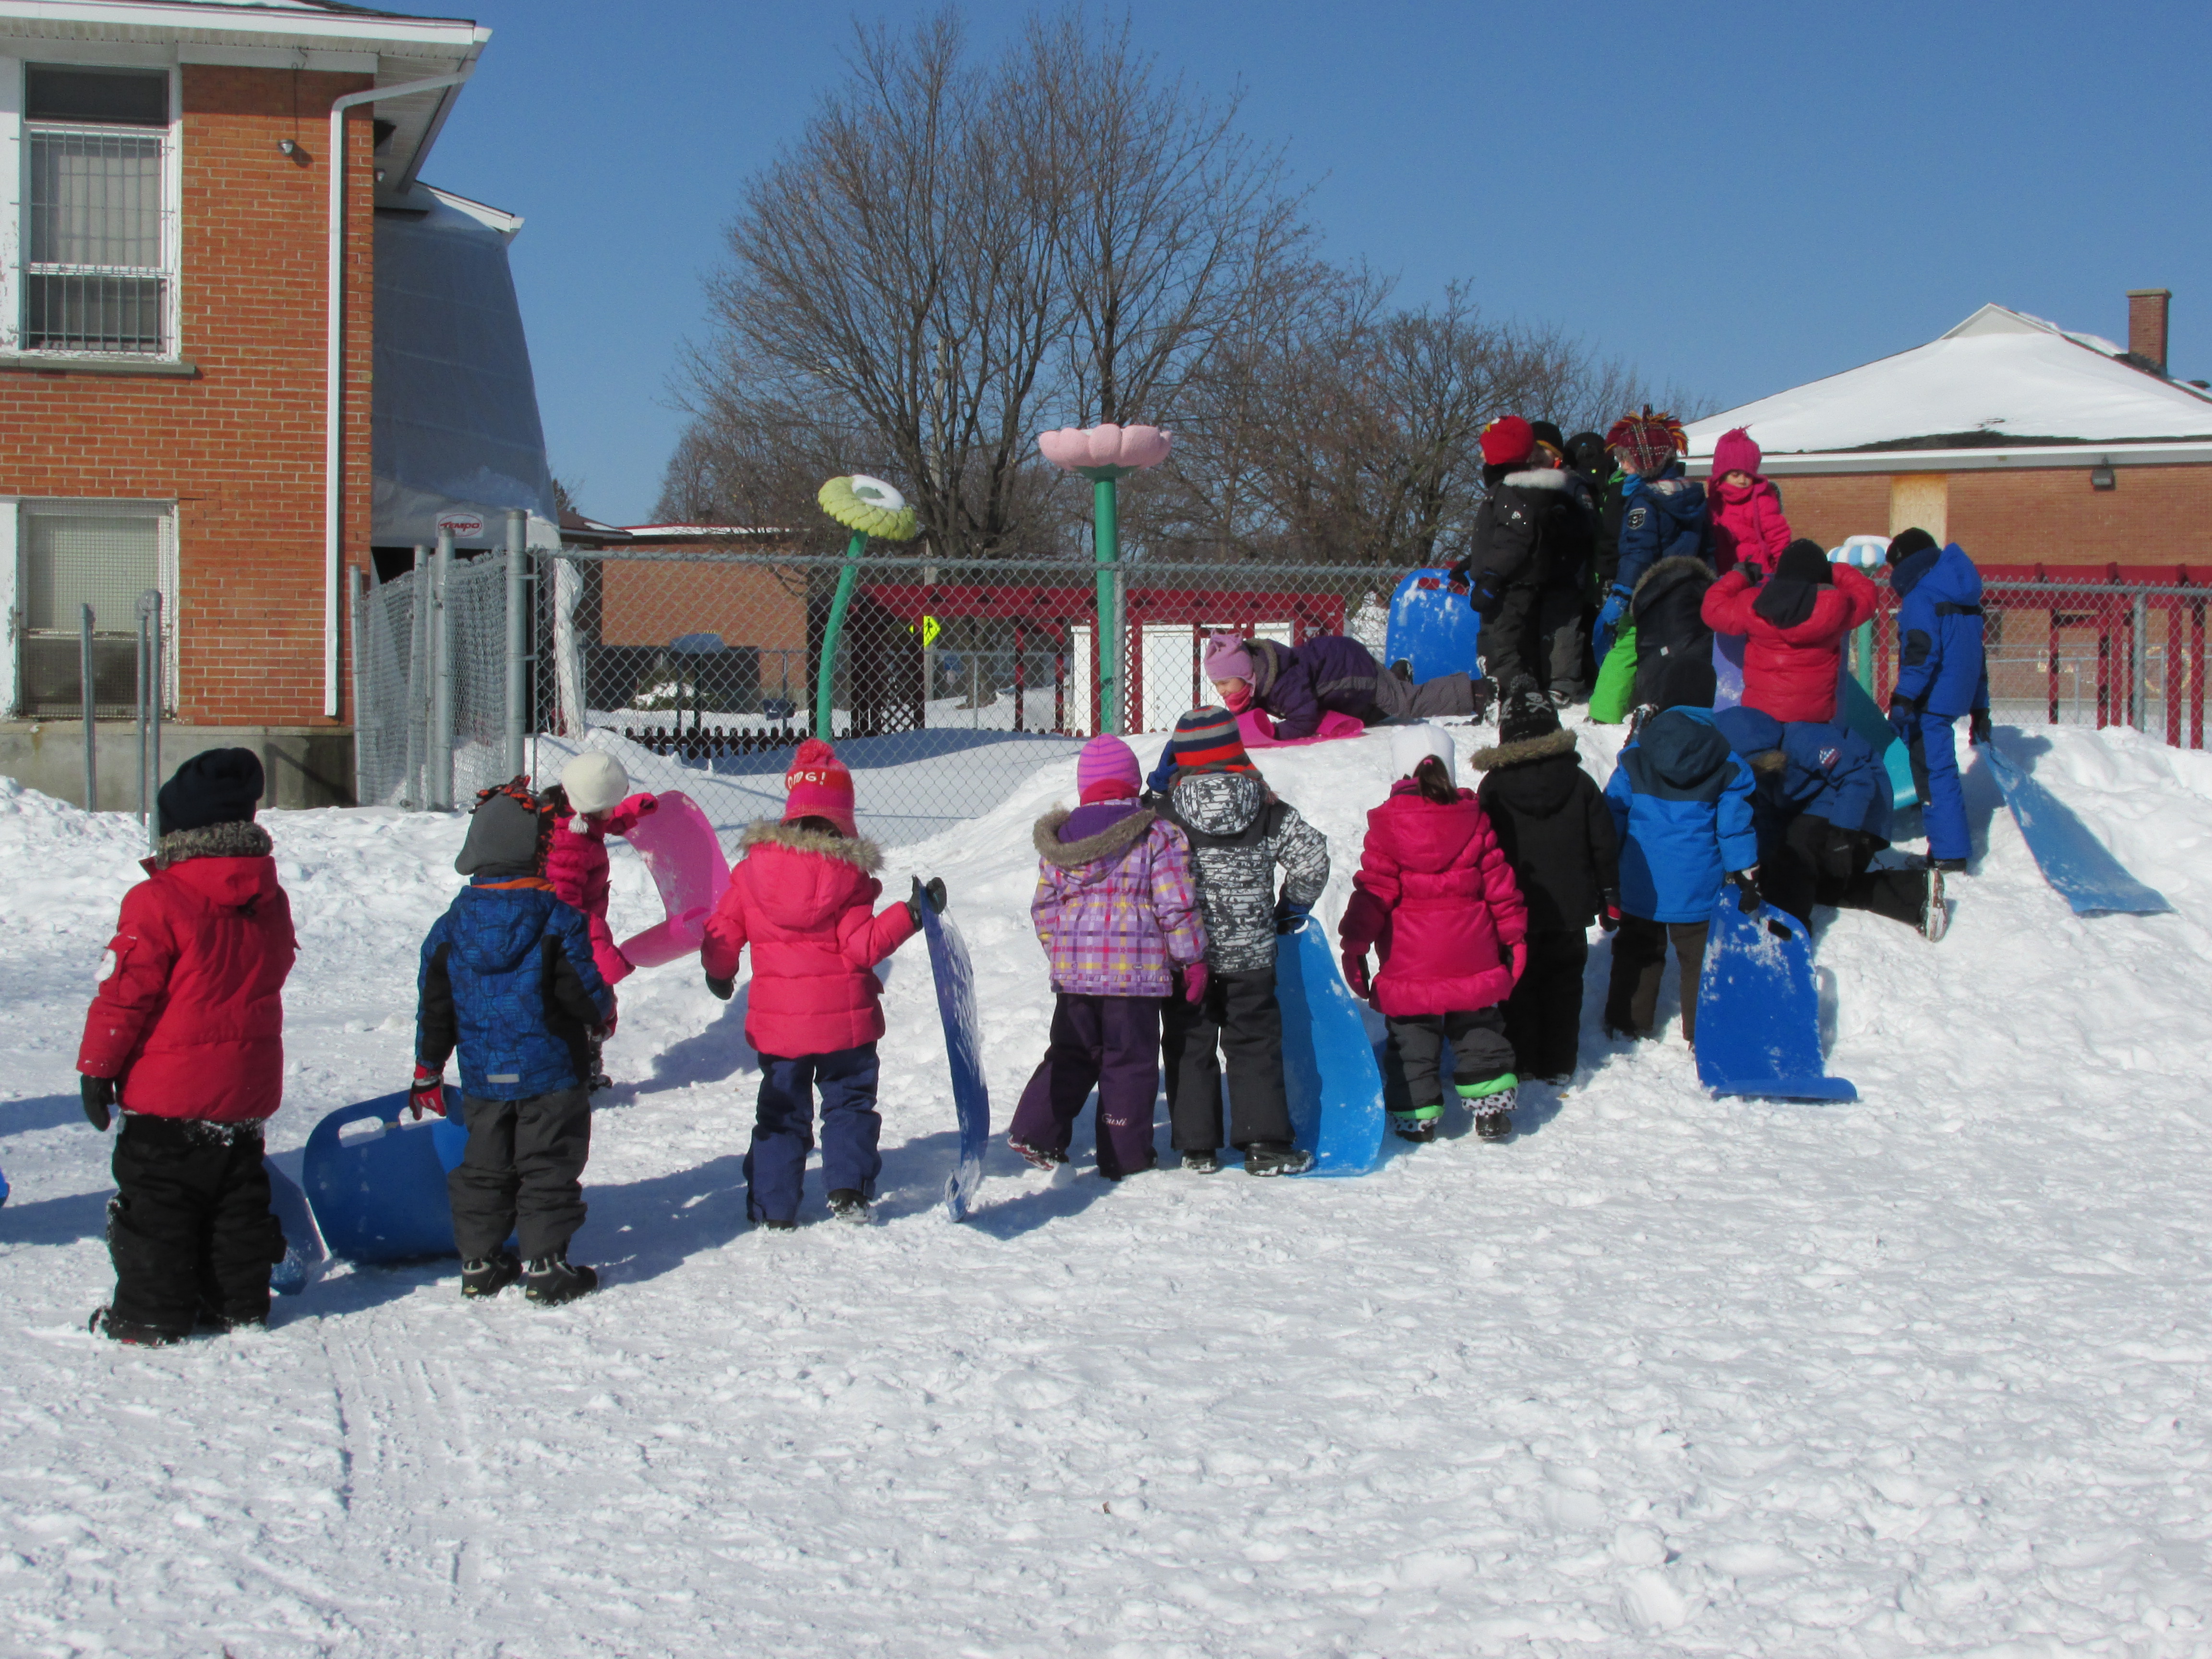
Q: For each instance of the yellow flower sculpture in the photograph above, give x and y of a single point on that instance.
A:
(869, 507)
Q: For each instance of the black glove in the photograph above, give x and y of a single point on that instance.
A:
(1977, 727)
(1746, 881)
(722, 988)
(1457, 572)
(1753, 572)
(1287, 918)
(1610, 921)
(1488, 597)
(933, 896)
(99, 1094)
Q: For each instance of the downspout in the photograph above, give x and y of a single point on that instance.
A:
(334, 368)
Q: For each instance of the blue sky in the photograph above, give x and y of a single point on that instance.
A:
(1734, 198)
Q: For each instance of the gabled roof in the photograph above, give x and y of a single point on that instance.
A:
(2000, 379)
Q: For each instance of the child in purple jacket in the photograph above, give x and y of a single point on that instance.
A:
(1117, 912)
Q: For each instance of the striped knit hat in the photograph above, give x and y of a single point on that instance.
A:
(1208, 740)
(1106, 769)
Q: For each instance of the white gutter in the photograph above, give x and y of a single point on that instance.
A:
(2039, 456)
(334, 370)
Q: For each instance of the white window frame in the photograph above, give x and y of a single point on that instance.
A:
(16, 200)
(163, 511)
(11, 688)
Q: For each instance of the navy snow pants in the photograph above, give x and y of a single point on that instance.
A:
(783, 1129)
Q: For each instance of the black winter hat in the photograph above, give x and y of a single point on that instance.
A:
(1527, 717)
(217, 786)
(1546, 433)
(506, 838)
(1907, 542)
(1803, 561)
(1586, 453)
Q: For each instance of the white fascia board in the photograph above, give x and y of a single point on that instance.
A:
(2037, 458)
(150, 20)
(483, 213)
(316, 58)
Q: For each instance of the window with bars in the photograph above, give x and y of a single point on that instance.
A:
(97, 271)
(75, 554)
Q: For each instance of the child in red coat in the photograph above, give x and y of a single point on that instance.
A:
(1794, 627)
(187, 1034)
(1435, 896)
(804, 897)
(1748, 527)
(588, 807)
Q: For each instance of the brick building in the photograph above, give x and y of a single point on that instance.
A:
(2028, 444)
(223, 374)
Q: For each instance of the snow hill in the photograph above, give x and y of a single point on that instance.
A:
(1660, 1375)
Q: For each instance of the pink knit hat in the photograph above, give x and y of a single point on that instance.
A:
(819, 786)
(1736, 453)
(1227, 659)
(1106, 769)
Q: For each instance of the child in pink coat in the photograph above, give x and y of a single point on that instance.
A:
(1748, 527)
(588, 807)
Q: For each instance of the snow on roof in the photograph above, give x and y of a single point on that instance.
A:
(1999, 377)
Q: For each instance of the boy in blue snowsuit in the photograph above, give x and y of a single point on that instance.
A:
(1681, 803)
(508, 978)
(1822, 809)
(1941, 674)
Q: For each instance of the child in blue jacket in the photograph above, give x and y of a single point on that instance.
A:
(1681, 802)
(508, 978)
(1941, 674)
(1822, 807)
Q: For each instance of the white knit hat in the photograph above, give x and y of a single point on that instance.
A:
(595, 781)
(1411, 744)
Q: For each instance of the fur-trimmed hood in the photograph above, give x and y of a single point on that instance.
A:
(858, 851)
(213, 841)
(1548, 477)
(1561, 742)
(1680, 567)
(1116, 838)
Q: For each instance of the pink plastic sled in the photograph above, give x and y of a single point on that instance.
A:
(680, 847)
(1259, 730)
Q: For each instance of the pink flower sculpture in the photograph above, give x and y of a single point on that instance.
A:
(1119, 449)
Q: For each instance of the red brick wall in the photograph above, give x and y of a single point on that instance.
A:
(2155, 516)
(240, 447)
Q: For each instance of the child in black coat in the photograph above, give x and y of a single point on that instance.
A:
(1552, 820)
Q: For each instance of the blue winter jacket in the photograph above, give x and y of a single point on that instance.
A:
(507, 977)
(1680, 801)
(1663, 518)
(1826, 769)
(1939, 618)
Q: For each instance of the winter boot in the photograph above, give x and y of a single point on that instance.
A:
(1272, 1158)
(104, 1322)
(1037, 1157)
(549, 1280)
(848, 1204)
(1948, 867)
(1418, 1124)
(1492, 1103)
(1202, 1163)
(1934, 918)
(1485, 697)
(775, 1226)
(1403, 670)
(487, 1275)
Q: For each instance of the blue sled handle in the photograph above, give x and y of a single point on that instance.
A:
(325, 1133)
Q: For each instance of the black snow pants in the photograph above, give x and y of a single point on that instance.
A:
(1544, 1015)
(1241, 1019)
(1538, 631)
(1639, 963)
(522, 1173)
(189, 1227)
(1818, 864)
(1481, 1053)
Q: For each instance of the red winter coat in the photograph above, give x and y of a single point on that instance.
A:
(1436, 898)
(1791, 673)
(805, 903)
(188, 1015)
(576, 865)
(1747, 524)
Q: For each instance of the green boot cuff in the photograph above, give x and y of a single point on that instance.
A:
(1497, 1085)
(1418, 1114)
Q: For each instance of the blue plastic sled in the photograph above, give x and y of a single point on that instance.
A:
(963, 1052)
(1329, 1072)
(1727, 670)
(1759, 1011)
(1431, 627)
(382, 1197)
(4, 1188)
(303, 1241)
(2072, 860)
(1855, 708)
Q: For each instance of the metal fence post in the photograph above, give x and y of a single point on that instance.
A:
(149, 712)
(2139, 647)
(356, 646)
(441, 675)
(84, 674)
(517, 525)
(414, 796)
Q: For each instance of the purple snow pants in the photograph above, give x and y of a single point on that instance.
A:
(1113, 1043)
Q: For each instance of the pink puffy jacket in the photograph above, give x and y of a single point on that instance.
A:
(1747, 524)
(1436, 898)
(805, 903)
(576, 865)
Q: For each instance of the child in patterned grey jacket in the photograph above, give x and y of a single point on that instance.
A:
(1239, 833)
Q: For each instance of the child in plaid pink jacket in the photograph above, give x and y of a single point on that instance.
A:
(1117, 912)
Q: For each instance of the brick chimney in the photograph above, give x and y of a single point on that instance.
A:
(2147, 326)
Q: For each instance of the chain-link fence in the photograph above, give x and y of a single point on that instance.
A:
(428, 687)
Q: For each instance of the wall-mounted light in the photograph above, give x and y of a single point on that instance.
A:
(290, 149)
(380, 175)
(2101, 476)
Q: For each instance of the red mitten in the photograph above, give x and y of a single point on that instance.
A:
(428, 1094)
(1193, 983)
(1355, 975)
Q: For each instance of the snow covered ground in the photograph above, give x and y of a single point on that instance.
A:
(1660, 1375)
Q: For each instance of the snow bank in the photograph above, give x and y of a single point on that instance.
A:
(1661, 1375)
